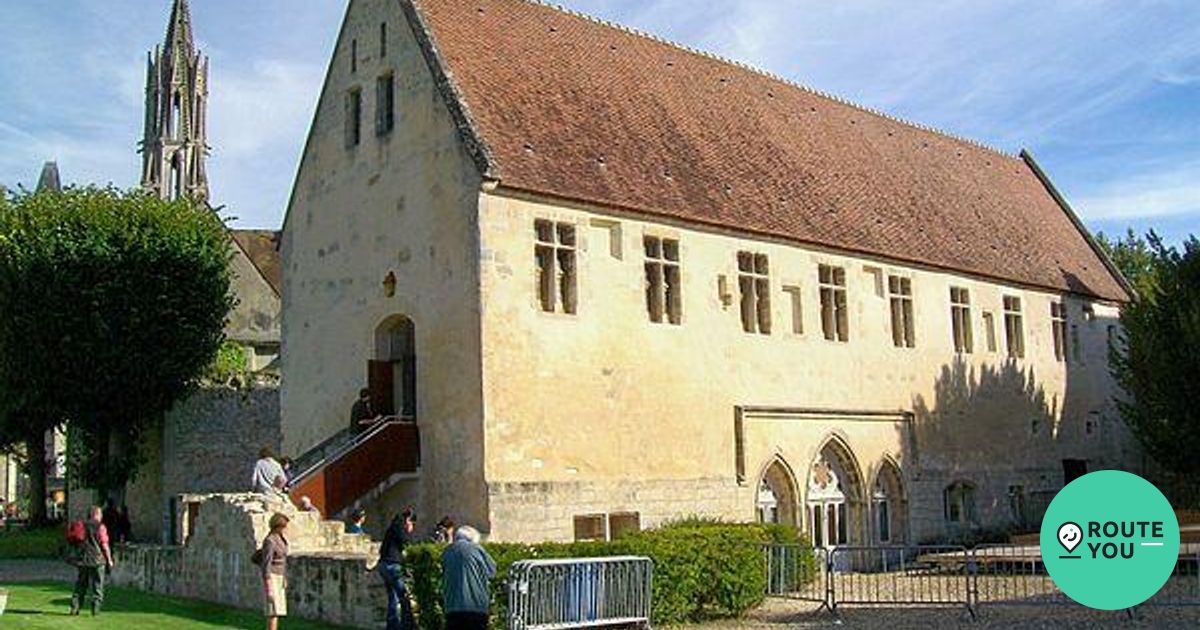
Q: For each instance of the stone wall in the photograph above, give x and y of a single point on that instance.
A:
(207, 444)
(327, 575)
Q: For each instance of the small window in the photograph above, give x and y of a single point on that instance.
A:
(835, 318)
(754, 280)
(959, 499)
(385, 104)
(1058, 330)
(383, 43)
(353, 56)
(1014, 331)
(622, 524)
(901, 298)
(989, 329)
(663, 301)
(590, 527)
(353, 118)
(1076, 344)
(797, 295)
(554, 252)
(960, 320)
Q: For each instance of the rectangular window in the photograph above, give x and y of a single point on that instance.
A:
(797, 295)
(590, 527)
(385, 104)
(754, 280)
(835, 318)
(623, 523)
(884, 524)
(989, 329)
(1058, 330)
(1014, 331)
(555, 256)
(960, 320)
(1076, 344)
(901, 297)
(383, 40)
(353, 118)
(663, 301)
(353, 56)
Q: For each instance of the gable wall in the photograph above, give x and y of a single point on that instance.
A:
(403, 203)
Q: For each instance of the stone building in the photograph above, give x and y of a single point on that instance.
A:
(617, 282)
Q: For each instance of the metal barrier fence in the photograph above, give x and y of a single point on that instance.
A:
(579, 593)
(932, 575)
(798, 572)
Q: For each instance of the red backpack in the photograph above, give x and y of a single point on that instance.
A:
(76, 533)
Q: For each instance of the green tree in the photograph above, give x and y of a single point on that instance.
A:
(1133, 255)
(1158, 365)
(111, 305)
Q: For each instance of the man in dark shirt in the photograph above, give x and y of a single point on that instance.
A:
(391, 555)
(362, 414)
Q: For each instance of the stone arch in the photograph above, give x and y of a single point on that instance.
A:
(835, 497)
(393, 372)
(889, 503)
(777, 495)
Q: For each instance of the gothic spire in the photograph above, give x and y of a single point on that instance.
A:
(179, 31)
(173, 146)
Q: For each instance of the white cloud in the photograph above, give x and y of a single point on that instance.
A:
(1174, 191)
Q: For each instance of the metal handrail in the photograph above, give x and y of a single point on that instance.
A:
(347, 448)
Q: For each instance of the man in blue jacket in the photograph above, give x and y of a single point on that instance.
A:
(467, 571)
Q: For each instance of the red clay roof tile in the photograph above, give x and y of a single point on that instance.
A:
(570, 107)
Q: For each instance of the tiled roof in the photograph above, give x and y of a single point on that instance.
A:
(261, 247)
(566, 106)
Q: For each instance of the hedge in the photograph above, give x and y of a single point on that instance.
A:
(702, 569)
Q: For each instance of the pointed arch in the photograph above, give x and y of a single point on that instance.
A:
(777, 495)
(889, 503)
(836, 498)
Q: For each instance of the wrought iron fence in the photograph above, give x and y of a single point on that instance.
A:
(580, 593)
(933, 575)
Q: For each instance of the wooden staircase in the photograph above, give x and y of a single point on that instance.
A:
(360, 467)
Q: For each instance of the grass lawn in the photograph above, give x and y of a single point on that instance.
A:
(38, 543)
(44, 606)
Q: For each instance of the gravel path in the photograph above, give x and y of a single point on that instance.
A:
(36, 571)
(790, 615)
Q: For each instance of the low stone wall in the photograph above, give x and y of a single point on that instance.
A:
(334, 588)
(327, 575)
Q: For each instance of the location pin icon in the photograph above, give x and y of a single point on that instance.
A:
(1069, 536)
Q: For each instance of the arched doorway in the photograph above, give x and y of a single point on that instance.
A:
(834, 499)
(889, 506)
(393, 373)
(777, 499)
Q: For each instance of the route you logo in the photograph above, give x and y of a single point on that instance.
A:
(1110, 540)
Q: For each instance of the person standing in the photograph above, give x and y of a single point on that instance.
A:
(467, 572)
(362, 413)
(272, 558)
(268, 477)
(94, 556)
(391, 556)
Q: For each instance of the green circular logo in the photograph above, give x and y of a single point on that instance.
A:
(1110, 540)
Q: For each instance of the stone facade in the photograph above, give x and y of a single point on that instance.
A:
(532, 419)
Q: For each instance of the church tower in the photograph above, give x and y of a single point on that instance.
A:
(173, 146)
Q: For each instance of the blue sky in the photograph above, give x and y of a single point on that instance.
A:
(1106, 93)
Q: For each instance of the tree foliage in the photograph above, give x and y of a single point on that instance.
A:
(1158, 363)
(1133, 255)
(111, 304)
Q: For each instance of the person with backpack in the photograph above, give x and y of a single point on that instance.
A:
(271, 559)
(91, 554)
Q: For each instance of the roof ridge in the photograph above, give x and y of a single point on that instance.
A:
(775, 77)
